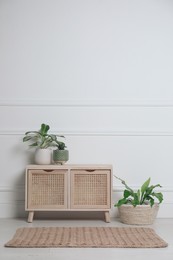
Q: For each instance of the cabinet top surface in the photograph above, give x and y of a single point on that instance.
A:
(69, 166)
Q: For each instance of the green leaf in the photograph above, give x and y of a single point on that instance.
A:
(145, 185)
(139, 194)
(158, 195)
(127, 193)
(54, 138)
(44, 129)
(32, 132)
(133, 202)
(27, 138)
(151, 201)
(136, 199)
(121, 202)
(33, 145)
(151, 188)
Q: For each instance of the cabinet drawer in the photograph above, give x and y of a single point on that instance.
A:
(90, 189)
(47, 189)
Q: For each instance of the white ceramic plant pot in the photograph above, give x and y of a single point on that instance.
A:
(43, 156)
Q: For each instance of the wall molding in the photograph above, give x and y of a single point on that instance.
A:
(86, 103)
(126, 103)
(98, 133)
(120, 188)
(12, 202)
(117, 188)
(20, 188)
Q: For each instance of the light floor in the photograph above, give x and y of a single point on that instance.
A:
(163, 227)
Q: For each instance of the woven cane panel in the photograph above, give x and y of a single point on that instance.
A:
(47, 190)
(90, 190)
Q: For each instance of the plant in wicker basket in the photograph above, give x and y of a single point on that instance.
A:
(139, 207)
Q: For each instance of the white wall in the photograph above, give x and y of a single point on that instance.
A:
(97, 71)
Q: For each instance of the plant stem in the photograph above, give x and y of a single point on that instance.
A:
(124, 183)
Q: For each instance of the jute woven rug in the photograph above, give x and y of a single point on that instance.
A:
(126, 237)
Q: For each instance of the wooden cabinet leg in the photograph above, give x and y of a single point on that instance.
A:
(107, 216)
(30, 216)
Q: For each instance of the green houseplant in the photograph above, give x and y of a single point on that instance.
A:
(60, 155)
(141, 206)
(42, 141)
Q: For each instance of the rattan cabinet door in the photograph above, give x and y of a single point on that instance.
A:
(47, 189)
(90, 189)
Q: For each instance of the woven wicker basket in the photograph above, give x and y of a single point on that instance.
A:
(139, 215)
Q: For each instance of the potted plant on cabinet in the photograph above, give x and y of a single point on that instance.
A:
(60, 155)
(42, 141)
(139, 207)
